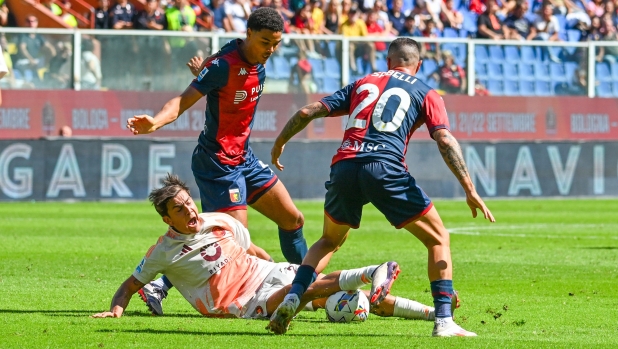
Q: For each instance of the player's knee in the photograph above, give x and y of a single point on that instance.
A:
(292, 221)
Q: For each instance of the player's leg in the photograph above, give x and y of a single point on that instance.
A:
(267, 195)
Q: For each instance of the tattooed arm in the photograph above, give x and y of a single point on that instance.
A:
(453, 157)
(297, 123)
(122, 297)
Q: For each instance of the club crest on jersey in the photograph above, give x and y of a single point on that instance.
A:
(242, 72)
(202, 74)
(240, 96)
(235, 195)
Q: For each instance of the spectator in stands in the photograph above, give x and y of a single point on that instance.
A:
(560, 6)
(32, 49)
(518, 25)
(91, 67)
(302, 71)
(374, 29)
(489, 25)
(317, 15)
(380, 8)
(450, 17)
(219, 18)
(122, 15)
(547, 24)
(50, 5)
(480, 89)
(397, 17)
(355, 26)
(4, 13)
(608, 54)
(238, 12)
(302, 23)
(346, 6)
(101, 15)
(430, 50)
(65, 131)
(451, 77)
(595, 8)
(208, 23)
(434, 8)
(594, 32)
(410, 29)
(151, 18)
(67, 17)
(58, 74)
(421, 15)
(4, 67)
(331, 18)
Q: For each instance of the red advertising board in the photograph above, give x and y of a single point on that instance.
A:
(34, 114)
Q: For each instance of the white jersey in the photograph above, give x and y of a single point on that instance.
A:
(211, 269)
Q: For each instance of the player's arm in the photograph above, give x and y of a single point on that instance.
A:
(144, 124)
(259, 252)
(297, 123)
(121, 298)
(453, 157)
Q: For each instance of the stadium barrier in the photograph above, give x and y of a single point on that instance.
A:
(143, 60)
(126, 169)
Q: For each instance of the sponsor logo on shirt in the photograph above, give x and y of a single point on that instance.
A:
(235, 195)
(202, 74)
(242, 72)
(360, 146)
(240, 96)
(185, 249)
(211, 252)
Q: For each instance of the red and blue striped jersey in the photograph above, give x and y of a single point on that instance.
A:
(233, 88)
(385, 108)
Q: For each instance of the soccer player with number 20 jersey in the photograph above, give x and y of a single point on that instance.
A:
(384, 109)
(228, 174)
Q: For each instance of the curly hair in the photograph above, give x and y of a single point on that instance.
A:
(172, 185)
(265, 18)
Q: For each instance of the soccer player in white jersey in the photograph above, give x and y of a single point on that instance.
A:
(207, 258)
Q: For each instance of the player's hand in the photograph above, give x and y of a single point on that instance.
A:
(475, 202)
(106, 314)
(141, 124)
(275, 154)
(195, 65)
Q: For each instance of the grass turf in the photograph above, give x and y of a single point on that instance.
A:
(544, 275)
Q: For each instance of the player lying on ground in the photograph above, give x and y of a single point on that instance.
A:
(228, 174)
(385, 108)
(205, 256)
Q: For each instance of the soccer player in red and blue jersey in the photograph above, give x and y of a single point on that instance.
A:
(385, 108)
(228, 174)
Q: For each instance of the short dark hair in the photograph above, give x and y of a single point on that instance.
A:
(265, 18)
(404, 44)
(172, 185)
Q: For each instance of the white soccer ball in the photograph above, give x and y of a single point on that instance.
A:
(347, 306)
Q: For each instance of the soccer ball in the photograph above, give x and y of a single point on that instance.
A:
(347, 306)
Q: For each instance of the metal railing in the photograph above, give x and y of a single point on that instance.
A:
(209, 42)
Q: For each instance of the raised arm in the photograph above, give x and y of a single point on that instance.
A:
(144, 124)
(453, 157)
(121, 298)
(297, 123)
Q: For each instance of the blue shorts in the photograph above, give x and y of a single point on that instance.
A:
(227, 188)
(391, 190)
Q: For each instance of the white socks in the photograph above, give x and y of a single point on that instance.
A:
(409, 309)
(353, 279)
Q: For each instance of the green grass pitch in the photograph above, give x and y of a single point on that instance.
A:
(545, 275)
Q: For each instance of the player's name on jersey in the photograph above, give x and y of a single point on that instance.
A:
(397, 75)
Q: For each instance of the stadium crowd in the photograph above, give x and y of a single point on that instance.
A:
(547, 20)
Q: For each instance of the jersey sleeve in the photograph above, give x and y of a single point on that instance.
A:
(148, 268)
(339, 102)
(214, 75)
(435, 112)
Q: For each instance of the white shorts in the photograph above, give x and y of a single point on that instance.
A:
(282, 275)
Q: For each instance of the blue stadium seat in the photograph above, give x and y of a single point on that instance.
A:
(543, 88)
(604, 89)
(463, 33)
(429, 66)
(602, 72)
(332, 68)
(557, 72)
(511, 88)
(281, 67)
(570, 68)
(364, 68)
(495, 87)
(574, 35)
(269, 67)
(470, 19)
(541, 72)
(496, 54)
(332, 48)
(528, 54)
(615, 88)
(615, 71)
(431, 82)
(330, 84)
(511, 54)
(562, 22)
(317, 68)
(381, 65)
(526, 71)
(494, 70)
(526, 88)
(480, 53)
(421, 76)
(450, 33)
(510, 71)
(481, 70)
